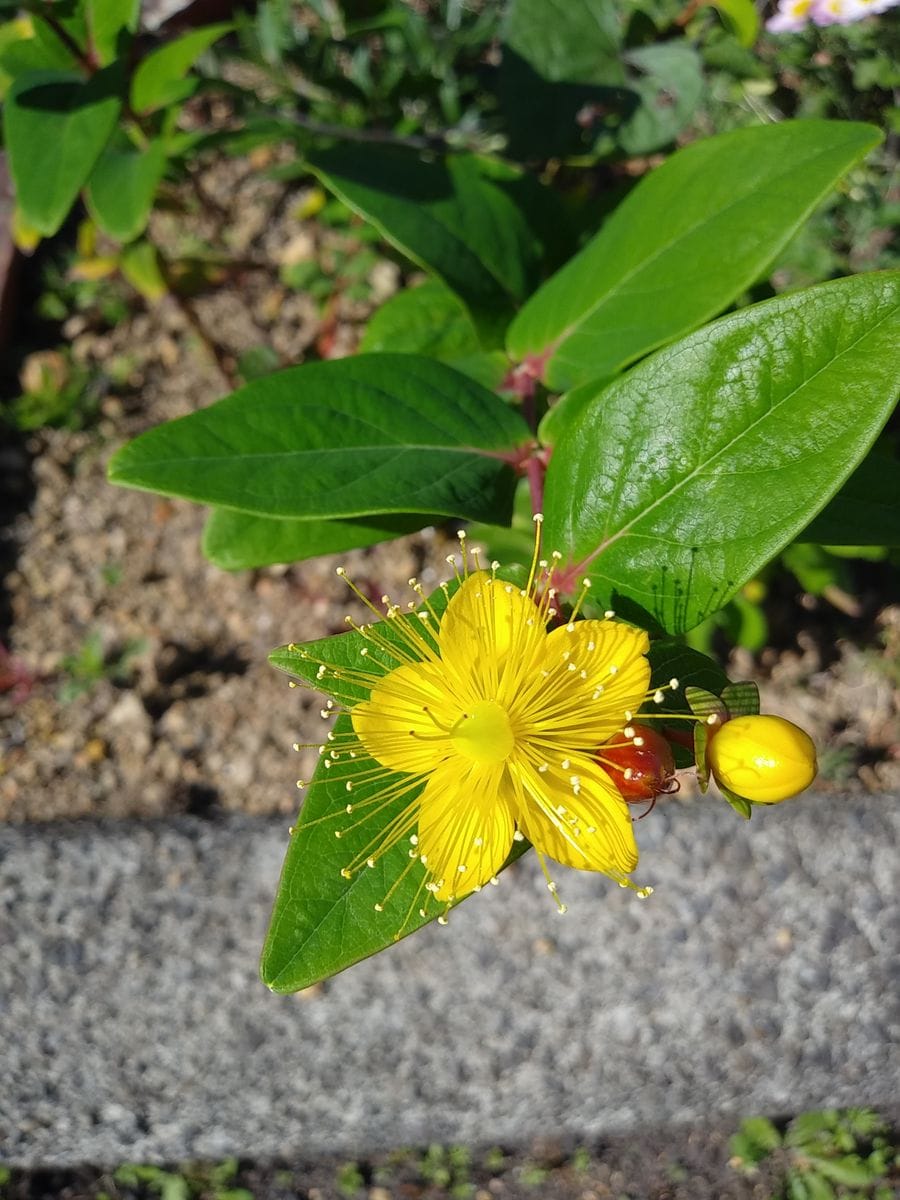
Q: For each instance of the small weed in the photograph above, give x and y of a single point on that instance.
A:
(448, 1167)
(57, 392)
(581, 1160)
(166, 1184)
(111, 573)
(495, 1159)
(533, 1174)
(350, 1179)
(822, 1155)
(90, 663)
(192, 1181)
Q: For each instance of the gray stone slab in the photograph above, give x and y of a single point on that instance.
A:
(758, 977)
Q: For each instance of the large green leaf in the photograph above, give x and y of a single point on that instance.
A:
(700, 464)
(866, 511)
(236, 540)
(389, 433)
(690, 237)
(322, 922)
(55, 125)
(122, 187)
(448, 217)
(160, 78)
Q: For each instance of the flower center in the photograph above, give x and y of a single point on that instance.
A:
(485, 735)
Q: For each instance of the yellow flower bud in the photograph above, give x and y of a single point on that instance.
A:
(762, 758)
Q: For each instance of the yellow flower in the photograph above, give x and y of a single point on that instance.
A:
(489, 723)
(762, 758)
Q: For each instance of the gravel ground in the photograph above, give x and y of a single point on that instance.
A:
(760, 976)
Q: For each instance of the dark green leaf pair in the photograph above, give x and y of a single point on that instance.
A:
(673, 486)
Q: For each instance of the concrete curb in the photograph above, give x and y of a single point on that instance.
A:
(758, 977)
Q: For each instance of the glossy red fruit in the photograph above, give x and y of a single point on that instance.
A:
(642, 768)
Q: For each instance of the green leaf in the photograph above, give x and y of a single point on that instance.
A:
(704, 461)
(693, 670)
(139, 264)
(431, 320)
(741, 805)
(671, 659)
(110, 24)
(55, 126)
(704, 703)
(388, 433)
(850, 1171)
(322, 922)
(817, 1188)
(22, 50)
(122, 187)
(160, 78)
(866, 511)
(741, 699)
(428, 319)
(559, 56)
(809, 1129)
(236, 540)
(796, 1186)
(445, 216)
(565, 40)
(567, 409)
(754, 1142)
(762, 1135)
(741, 17)
(689, 238)
(701, 743)
(667, 90)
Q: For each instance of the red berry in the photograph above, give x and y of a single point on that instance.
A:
(641, 767)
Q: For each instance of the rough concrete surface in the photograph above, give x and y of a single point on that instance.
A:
(758, 977)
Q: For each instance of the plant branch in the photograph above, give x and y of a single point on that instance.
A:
(437, 142)
(86, 59)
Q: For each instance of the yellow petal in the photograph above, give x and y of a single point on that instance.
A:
(465, 827)
(597, 673)
(485, 619)
(575, 816)
(404, 723)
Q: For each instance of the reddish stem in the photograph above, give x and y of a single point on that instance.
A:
(534, 469)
